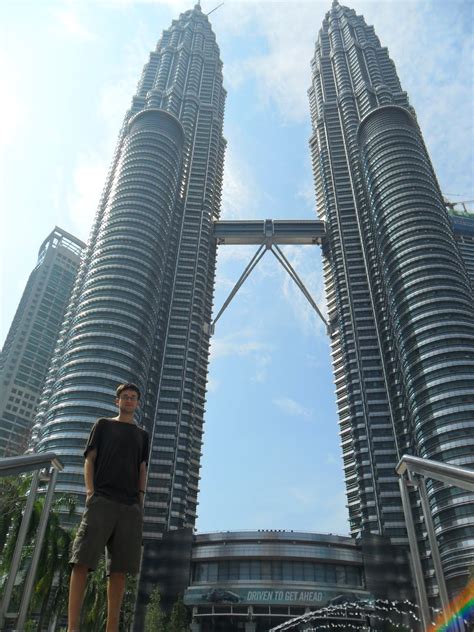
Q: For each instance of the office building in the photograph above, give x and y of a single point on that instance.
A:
(32, 337)
(399, 298)
(146, 288)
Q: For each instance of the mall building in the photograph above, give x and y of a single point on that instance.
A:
(255, 580)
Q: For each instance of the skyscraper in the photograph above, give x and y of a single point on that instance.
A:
(400, 304)
(32, 337)
(146, 287)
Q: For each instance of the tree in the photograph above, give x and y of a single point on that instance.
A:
(155, 620)
(179, 621)
(94, 607)
(129, 598)
(12, 501)
(50, 588)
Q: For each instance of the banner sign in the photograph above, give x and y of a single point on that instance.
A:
(221, 595)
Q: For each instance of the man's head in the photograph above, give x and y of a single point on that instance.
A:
(128, 396)
(128, 387)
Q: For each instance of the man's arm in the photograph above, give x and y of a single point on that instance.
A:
(89, 465)
(142, 482)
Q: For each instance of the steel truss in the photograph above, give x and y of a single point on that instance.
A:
(269, 233)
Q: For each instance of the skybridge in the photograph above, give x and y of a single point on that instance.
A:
(269, 235)
(269, 232)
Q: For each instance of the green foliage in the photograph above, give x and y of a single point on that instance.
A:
(179, 617)
(94, 607)
(155, 620)
(50, 589)
(128, 606)
(13, 491)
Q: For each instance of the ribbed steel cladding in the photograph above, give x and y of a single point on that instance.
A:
(113, 328)
(352, 75)
(336, 138)
(431, 307)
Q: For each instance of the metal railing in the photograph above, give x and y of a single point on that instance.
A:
(412, 471)
(19, 465)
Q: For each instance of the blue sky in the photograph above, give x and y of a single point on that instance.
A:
(271, 453)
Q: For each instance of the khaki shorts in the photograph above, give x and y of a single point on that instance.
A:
(107, 523)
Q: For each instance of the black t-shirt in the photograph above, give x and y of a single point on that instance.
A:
(121, 448)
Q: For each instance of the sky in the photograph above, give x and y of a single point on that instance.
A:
(271, 455)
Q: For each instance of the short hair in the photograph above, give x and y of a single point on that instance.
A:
(128, 386)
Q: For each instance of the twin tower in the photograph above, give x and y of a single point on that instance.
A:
(400, 303)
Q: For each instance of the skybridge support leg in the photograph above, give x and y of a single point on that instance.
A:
(253, 262)
(292, 272)
(245, 274)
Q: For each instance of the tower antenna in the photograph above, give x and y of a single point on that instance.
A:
(215, 8)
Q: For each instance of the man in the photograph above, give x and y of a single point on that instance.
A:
(116, 458)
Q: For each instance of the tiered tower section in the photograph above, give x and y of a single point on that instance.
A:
(400, 303)
(145, 288)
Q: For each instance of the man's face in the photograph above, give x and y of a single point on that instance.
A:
(127, 402)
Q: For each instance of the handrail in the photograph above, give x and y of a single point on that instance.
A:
(412, 471)
(443, 472)
(12, 465)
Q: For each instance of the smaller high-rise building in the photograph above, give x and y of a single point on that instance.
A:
(462, 222)
(29, 345)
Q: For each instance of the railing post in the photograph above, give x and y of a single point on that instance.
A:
(415, 555)
(25, 521)
(27, 590)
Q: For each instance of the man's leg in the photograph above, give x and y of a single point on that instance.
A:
(77, 586)
(115, 590)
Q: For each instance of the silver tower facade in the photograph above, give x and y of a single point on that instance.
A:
(145, 288)
(400, 303)
(32, 337)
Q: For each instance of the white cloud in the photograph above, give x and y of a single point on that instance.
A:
(438, 84)
(14, 110)
(282, 72)
(88, 181)
(263, 362)
(236, 345)
(244, 344)
(240, 193)
(331, 459)
(67, 22)
(327, 504)
(291, 407)
(332, 515)
(212, 384)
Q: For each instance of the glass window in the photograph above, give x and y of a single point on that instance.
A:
(319, 574)
(212, 572)
(255, 569)
(330, 574)
(287, 570)
(276, 569)
(308, 571)
(340, 575)
(298, 570)
(244, 572)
